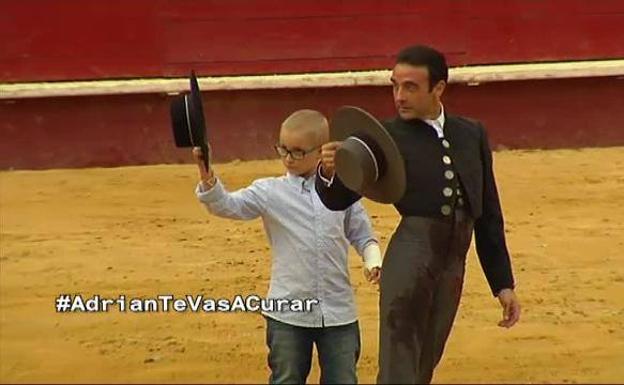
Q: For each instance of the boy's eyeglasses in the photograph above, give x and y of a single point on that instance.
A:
(295, 154)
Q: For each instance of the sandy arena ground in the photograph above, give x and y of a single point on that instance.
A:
(139, 231)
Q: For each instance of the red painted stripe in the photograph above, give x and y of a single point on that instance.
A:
(57, 40)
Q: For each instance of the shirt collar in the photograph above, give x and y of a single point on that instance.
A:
(305, 184)
(437, 123)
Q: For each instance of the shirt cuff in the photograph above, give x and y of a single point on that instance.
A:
(213, 194)
(372, 256)
(328, 182)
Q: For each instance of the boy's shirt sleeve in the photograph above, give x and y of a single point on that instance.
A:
(247, 203)
(359, 231)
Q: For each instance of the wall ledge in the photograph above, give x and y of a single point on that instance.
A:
(471, 75)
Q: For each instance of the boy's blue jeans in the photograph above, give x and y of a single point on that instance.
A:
(290, 352)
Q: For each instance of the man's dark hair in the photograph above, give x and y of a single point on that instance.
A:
(420, 55)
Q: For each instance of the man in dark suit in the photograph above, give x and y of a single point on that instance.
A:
(450, 192)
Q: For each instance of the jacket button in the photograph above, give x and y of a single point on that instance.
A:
(446, 210)
(447, 192)
(445, 143)
(446, 159)
(448, 174)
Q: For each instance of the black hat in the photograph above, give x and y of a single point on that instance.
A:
(368, 161)
(187, 120)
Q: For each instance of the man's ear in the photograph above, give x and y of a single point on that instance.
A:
(439, 88)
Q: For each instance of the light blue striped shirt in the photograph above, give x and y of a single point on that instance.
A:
(309, 243)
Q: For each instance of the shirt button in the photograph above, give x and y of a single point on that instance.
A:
(446, 144)
(459, 192)
(448, 174)
(460, 201)
(446, 159)
(446, 210)
(447, 192)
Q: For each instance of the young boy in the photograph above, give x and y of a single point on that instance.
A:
(309, 247)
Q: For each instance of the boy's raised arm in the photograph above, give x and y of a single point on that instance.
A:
(247, 203)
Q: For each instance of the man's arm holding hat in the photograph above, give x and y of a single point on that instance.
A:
(333, 193)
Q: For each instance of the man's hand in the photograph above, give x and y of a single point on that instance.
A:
(511, 308)
(328, 156)
(373, 275)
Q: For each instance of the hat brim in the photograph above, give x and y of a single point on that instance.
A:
(349, 121)
(196, 109)
(198, 122)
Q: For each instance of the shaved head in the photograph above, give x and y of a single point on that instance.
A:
(310, 123)
(302, 133)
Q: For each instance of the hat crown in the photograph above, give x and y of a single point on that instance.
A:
(368, 161)
(362, 161)
(187, 119)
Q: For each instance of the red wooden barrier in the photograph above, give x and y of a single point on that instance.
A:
(46, 40)
(135, 129)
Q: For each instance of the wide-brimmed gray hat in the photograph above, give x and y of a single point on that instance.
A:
(368, 161)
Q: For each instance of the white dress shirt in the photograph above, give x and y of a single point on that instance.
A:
(309, 244)
(438, 123)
